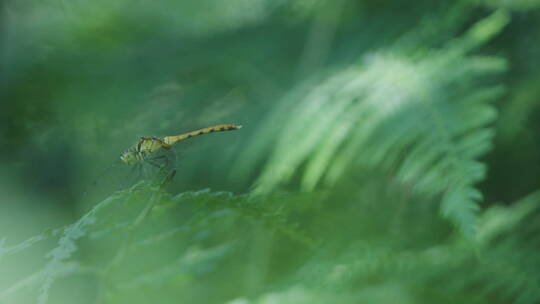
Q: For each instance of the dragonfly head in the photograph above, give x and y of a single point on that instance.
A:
(128, 157)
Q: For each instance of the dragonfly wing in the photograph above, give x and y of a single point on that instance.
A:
(159, 163)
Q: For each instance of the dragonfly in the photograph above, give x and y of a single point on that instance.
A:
(158, 152)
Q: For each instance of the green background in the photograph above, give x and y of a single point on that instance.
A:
(390, 151)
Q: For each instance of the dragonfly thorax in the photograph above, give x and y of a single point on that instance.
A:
(144, 147)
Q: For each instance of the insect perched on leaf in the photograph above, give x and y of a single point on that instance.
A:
(154, 157)
(155, 150)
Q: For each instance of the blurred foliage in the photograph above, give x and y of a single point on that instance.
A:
(390, 151)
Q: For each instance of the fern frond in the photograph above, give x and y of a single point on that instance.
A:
(369, 114)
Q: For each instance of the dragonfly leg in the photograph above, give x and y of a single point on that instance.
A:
(162, 163)
(168, 178)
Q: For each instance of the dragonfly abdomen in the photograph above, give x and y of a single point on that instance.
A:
(171, 140)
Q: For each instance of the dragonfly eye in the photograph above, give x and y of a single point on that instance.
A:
(128, 157)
